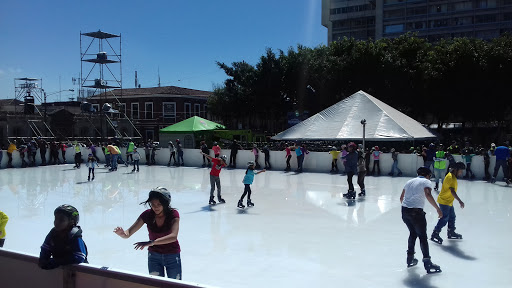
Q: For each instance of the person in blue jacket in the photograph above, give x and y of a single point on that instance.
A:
(248, 179)
(64, 244)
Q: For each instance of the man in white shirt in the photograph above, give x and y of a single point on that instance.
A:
(413, 200)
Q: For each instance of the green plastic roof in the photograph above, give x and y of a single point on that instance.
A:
(192, 124)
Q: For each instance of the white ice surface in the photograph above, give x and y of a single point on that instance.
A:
(301, 232)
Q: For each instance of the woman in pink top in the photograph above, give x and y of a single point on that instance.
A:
(216, 149)
(288, 157)
(376, 156)
(163, 224)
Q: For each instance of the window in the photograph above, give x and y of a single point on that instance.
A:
(205, 110)
(169, 112)
(135, 110)
(394, 28)
(96, 107)
(148, 111)
(197, 109)
(188, 112)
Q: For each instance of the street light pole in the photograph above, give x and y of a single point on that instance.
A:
(363, 122)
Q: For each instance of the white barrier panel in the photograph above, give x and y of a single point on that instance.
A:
(21, 270)
(313, 162)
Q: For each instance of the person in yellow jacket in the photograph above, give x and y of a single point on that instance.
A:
(12, 147)
(3, 223)
(439, 165)
(445, 199)
(114, 152)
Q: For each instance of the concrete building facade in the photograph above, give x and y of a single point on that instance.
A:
(431, 19)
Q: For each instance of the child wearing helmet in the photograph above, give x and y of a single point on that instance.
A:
(163, 223)
(248, 179)
(64, 244)
(445, 199)
(218, 163)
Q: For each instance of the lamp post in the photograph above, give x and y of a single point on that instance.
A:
(363, 122)
(44, 102)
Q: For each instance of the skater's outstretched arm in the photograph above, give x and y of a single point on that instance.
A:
(261, 171)
(430, 199)
(457, 197)
(127, 233)
(206, 155)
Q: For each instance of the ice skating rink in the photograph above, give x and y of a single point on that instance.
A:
(300, 233)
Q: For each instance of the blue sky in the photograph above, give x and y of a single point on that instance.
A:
(181, 38)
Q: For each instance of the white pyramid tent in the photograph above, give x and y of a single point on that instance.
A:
(342, 121)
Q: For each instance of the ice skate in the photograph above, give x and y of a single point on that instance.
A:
(212, 202)
(363, 193)
(411, 261)
(431, 267)
(350, 194)
(249, 203)
(221, 200)
(240, 205)
(493, 180)
(436, 238)
(399, 174)
(452, 235)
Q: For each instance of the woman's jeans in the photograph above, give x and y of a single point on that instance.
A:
(171, 262)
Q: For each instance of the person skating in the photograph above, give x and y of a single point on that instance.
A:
(12, 147)
(91, 161)
(394, 156)
(413, 200)
(172, 155)
(3, 222)
(179, 149)
(334, 163)
(248, 179)
(216, 150)
(439, 166)
(43, 146)
(502, 154)
(376, 160)
(217, 164)
(205, 150)
(351, 169)
(136, 159)
(256, 153)
(163, 223)
(78, 154)
(288, 157)
(361, 170)
(234, 150)
(64, 244)
(266, 152)
(445, 199)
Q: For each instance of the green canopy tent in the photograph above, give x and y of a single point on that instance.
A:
(189, 131)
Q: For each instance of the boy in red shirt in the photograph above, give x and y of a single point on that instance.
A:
(217, 164)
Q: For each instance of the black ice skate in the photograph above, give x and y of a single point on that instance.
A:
(436, 238)
(240, 205)
(221, 200)
(212, 202)
(452, 235)
(411, 261)
(431, 267)
(350, 194)
(363, 193)
(249, 203)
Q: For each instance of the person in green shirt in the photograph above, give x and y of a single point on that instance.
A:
(129, 152)
(439, 165)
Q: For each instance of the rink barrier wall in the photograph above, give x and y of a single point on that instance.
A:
(21, 270)
(319, 162)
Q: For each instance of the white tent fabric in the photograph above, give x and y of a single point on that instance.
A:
(342, 121)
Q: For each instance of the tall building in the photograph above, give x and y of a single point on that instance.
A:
(434, 19)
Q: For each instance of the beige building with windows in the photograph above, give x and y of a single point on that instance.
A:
(435, 19)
